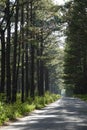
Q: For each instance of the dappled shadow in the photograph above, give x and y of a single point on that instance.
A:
(66, 114)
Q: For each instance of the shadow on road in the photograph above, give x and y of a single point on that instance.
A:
(65, 114)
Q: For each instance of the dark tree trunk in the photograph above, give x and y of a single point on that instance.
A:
(22, 40)
(8, 73)
(27, 57)
(27, 69)
(32, 52)
(41, 67)
(38, 71)
(32, 87)
(18, 66)
(14, 82)
(41, 79)
(2, 86)
(46, 76)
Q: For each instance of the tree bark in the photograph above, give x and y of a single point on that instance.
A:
(8, 73)
(2, 86)
(14, 82)
(46, 79)
(32, 52)
(27, 57)
(22, 40)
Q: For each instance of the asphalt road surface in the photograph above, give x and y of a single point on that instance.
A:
(64, 114)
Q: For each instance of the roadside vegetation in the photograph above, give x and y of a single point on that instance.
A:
(81, 96)
(19, 109)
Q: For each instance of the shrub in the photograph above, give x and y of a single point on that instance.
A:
(3, 116)
(12, 111)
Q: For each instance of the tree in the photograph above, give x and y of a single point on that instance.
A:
(2, 38)
(14, 78)
(76, 48)
(8, 70)
(24, 33)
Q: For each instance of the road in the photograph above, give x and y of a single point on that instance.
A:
(64, 114)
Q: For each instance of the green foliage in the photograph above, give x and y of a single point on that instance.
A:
(39, 102)
(2, 113)
(75, 66)
(2, 97)
(12, 111)
(82, 97)
(54, 61)
(18, 109)
(49, 98)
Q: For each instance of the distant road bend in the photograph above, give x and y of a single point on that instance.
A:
(64, 114)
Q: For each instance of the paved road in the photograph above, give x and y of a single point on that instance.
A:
(65, 114)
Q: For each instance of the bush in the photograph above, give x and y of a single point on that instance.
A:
(49, 98)
(39, 102)
(42, 101)
(3, 116)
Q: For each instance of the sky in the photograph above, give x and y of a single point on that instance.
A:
(59, 2)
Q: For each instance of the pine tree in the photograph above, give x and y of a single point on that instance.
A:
(76, 48)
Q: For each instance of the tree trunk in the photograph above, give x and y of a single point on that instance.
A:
(18, 66)
(2, 86)
(8, 73)
(32, 52)
(32, 88)
(38, 71)
(41, 67)
(22, 40)
(27, 60)
(14, 82)
(46, 79)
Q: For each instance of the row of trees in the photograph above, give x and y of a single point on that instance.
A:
(25, 26)
(75, 66)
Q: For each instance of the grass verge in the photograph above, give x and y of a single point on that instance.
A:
(81, 96)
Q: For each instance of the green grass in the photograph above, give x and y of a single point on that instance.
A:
(81, 96)
(18, 109)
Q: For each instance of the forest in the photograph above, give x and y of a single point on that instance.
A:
(75, 61)
(30, 57)
(34, 62)
(28, 48)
